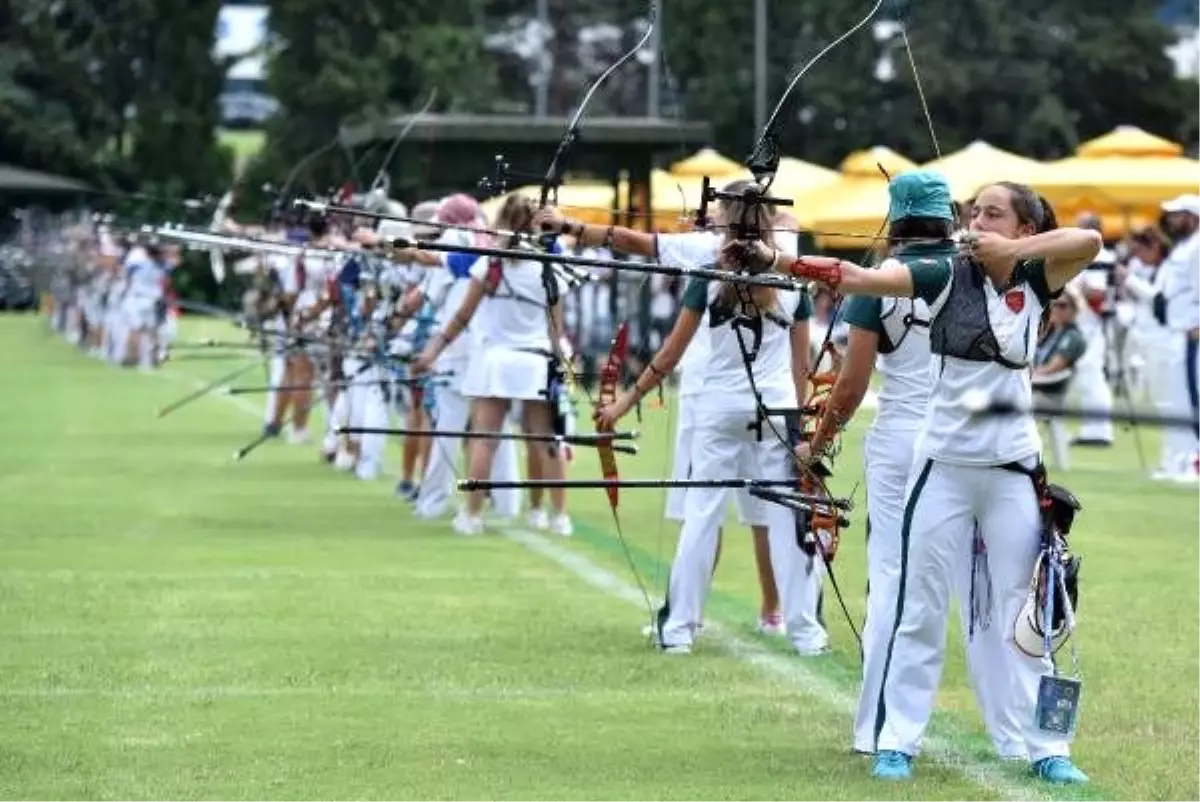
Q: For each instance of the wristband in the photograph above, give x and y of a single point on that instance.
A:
(829, 275)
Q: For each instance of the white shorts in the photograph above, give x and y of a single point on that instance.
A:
(498, 372)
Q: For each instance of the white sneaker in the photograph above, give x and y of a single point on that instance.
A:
(561, 525)
(467, 525)
(298, 437)
(343, 461)
(539, 518)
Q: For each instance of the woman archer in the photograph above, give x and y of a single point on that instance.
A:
(774, 326)
(508, 363)
(985, 306)
(690, 249)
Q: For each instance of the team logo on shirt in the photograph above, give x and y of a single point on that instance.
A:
(1015, 300)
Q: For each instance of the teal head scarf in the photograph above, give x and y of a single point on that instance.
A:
(921, 193)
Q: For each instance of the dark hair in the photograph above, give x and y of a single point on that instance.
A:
(1153, 237)
(318, 226)
(1049, 218)
(909, 228)
(1029, 207)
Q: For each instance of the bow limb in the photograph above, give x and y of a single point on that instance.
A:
(558, 163)
(610, 375)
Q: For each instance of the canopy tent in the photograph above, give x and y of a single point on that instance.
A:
(1122, 176)
(847, 213)
(706, 162)
(979, 164)
(796, 178)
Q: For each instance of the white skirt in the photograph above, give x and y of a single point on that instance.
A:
(499, 372)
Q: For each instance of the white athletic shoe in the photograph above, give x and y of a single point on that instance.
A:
(298, 437)
(467, 525)
(561, 525)
(539, 518)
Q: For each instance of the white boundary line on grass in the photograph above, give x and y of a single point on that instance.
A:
(988, 776)
(791, 669)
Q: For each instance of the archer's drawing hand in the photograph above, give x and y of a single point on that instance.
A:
(548, 219)
(742, 253)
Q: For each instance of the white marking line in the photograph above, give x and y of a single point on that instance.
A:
(988, 777)
(791, 669)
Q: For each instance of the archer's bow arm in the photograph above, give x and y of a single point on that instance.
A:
(615, 238)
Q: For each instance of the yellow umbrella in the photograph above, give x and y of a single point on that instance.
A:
(979, 164)
(851, 210)
(676, 198)
(1125, 173)
(796, 177)
(706, 161)
(1129, 140)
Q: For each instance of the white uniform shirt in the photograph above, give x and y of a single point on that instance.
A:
(692, 249)
(1182, 285)
(725, 387)
(446, 293)
(951, 433)
(697, 249)
(904, 359)
(503, 320)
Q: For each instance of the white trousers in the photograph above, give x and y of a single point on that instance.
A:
(943, 505)
(723, 447)
(1183, 395)
(888, 454)
(681, 464)
(452, 414)
(369, 409)
(339, 416)
(276, 368)
(1060, 438)
(1091, 389)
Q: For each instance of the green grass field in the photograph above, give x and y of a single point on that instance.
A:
(175, 625)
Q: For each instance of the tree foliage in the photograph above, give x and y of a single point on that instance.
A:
(113, 93)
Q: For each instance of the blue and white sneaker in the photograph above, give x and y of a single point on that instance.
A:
(407, 491)
(892, 765)
(1059, 770)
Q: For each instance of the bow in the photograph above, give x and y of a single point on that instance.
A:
(818, 525)
(610, 374)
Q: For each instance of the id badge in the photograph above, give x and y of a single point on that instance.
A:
(1058, 704)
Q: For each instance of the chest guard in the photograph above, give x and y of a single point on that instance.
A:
(899, 317)
(963, 329)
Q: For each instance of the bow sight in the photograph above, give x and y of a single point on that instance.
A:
(754, 197)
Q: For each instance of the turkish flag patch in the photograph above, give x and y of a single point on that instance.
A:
(1015, 300)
